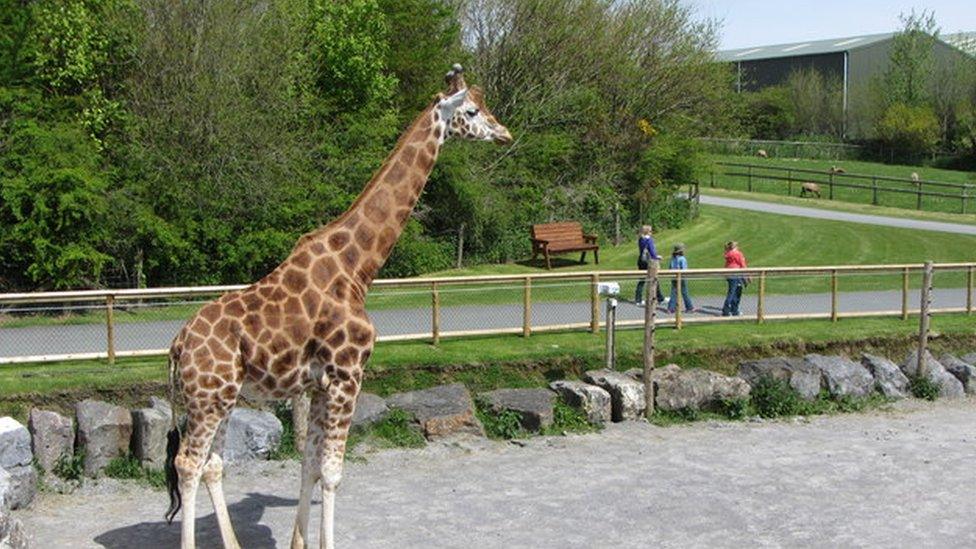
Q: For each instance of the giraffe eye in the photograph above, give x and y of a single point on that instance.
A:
(472, 112)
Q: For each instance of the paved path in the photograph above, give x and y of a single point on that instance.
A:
(819, 213)
(884, 479)
(90, 338)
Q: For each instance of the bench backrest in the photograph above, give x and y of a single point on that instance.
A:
(565, 231)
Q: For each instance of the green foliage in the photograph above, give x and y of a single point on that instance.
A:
(416, 254)
(909, 131)
(566, 419)
(909, 71)
(398, 430)
(128, 467)
(766, 114)
(736, 408)
(70, 467)
(504, 425)
(286, 447)
(923, 387)
(773, 397)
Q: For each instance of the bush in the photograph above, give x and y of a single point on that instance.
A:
(774, 398)
(505, 425)
(567, 419)
(128, 467)
(416, 254)
(922, 387)
(908, 131)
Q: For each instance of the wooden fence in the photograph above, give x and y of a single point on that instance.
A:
(112, 299)
(795, 177)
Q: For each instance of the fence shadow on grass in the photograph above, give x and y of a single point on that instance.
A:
(245, 516)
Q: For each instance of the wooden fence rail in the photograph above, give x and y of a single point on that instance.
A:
(111, 300)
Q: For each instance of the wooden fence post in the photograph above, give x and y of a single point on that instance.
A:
(789, 182)
(874, 190)
(761, 304)
(923, 323)
(650, 299)
(679, 308)
(969, 290)
(830, 185)
(435, 317)
(918, 192)
(527, 307)
(594, 304)
(110, 327)
(749, 173)
(904, 294)
(833, 295)
(460, 248)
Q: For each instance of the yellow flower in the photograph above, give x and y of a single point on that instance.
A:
(646, 128)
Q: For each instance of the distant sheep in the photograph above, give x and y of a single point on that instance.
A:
(808, 189)
(915, 177)
(761, 153)
(836, 169)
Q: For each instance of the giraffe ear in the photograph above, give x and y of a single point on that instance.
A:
(453, 101)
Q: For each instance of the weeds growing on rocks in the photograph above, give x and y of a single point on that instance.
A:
(566, 419)
(128, 467)
(70, 467)
(922, 387)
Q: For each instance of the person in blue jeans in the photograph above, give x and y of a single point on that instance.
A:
(645, 253)
(734, 260)
(679, 262)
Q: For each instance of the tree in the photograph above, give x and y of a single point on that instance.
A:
(909, 73)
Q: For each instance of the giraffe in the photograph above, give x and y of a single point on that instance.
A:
(304, 328)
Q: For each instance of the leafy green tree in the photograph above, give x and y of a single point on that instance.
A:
(909, 130)
(907, 78)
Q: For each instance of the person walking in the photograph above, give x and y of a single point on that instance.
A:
(646, 252)
(679, 262)
(733, 260)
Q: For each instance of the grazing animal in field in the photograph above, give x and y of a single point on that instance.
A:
(808, 189)
(915, 177)
(836, 169)
(303, 328)
(761, 153)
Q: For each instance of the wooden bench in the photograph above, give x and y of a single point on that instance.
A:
(557, 238)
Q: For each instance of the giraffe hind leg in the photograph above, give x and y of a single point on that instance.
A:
(212, 479)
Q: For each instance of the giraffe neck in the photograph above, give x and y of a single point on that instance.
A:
(364, 235)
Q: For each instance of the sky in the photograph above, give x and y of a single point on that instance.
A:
(755, 23)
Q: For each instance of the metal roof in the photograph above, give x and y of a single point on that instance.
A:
(810, 47)
(965, 41)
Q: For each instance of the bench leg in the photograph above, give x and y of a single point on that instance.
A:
(583, 257)
(596, 256)
(548, 263)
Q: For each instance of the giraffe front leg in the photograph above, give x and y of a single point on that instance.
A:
(334, 432)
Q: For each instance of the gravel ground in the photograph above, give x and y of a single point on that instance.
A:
(902, 477)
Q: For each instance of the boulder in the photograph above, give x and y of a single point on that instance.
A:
(964, 371)
(15, 444)
(149, 428)
(695, 389)
(801, 376)
(888, 377)
(12, 534)
(104, 432)
(251, 435)
(590, 399)
(969, 358)
(18, 486)
(626, 393)
(534, 406)
(370, 408)
(442, 411)
(949, 386)
(52, 438)
(842, 376)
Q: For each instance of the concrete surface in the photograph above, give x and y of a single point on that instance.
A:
(898, 478)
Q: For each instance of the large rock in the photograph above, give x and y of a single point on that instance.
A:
(15, 443)
(251, 435)
(964, 371)
(12, 533)
(801, 376)
(626, 393)
(370, 408)
(888, 377)
(442, 411)
(149, 428)
(695, 389)
(590, 399)
(842, 376)
(104, 432)
(18, 486)
(534, 406)
(52, 438)
(969, 358)
(949, 386)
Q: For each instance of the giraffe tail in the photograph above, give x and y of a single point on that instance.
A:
(173, 447)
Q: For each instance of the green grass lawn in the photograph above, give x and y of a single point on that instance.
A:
(767, 240)
(404, 365)
(763, 184)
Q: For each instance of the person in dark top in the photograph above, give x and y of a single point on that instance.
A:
(645, 253)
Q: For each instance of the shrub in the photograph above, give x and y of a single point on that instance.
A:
(128, 467)
(416, 254)
(70, 467)
(506, 424)
(909, 131)
(774, 397)
(923, 387)
(567, 419)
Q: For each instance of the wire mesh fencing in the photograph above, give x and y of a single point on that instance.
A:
(107, 324)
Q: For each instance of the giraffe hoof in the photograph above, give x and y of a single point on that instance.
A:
(297, 541)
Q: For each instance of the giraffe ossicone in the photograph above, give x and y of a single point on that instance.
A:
(303, 328)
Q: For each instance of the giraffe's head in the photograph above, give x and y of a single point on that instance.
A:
(465, 114)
